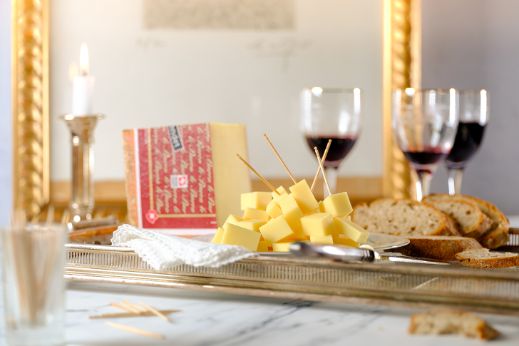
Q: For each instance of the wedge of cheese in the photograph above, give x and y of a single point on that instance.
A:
(184, 176)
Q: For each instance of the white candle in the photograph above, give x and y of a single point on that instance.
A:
(82, 86)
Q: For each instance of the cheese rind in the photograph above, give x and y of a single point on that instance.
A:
(320, 224)
(236, 235)
(338, 204)
(256, 214)
(350, 230)
(276, 230)
(255, 200)
(304, 197)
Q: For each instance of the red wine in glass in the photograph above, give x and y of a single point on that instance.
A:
(339, 149)
(468, 139)
(424, 160)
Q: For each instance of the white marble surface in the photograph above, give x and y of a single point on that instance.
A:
(217, 320)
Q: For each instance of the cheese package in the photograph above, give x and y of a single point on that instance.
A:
(185, 177)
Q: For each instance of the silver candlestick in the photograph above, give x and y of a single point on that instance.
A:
(82, 138)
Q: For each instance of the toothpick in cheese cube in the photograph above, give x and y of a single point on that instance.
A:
(217, 239)
(255, 200)
(322, 239)
(281, 247)
(338, 204)
(256, 214)
(236, 235)
(319, 224)
(291, 212)
(304, 197)
(350, 230)
(273, 209)
(276, 230)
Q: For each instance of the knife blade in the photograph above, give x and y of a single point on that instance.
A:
(352, 254)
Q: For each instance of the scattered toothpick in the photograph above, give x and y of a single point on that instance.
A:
(262, 178)
(278, 156)
(155, 312)
(325, 154)
(131, 314)
(135, 330)
(322, 170)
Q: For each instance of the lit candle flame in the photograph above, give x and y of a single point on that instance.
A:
(83, 60)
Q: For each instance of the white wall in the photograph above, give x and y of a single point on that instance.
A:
(474, 44)
(5, 111)
(149, 78)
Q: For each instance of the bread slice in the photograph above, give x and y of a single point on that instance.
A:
(498, 235)
(471, 220)
(452, 322)
(403, 217)
(443, 248)
(483, 258)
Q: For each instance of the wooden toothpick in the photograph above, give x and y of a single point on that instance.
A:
(278, 156)
(262, 178)
(135, 330)
(322, 170)
(325, 154)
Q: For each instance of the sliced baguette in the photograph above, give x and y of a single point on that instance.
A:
(403, 217)
(452, 322)
(483, 258)
(471, 219)
(443, 248)
(498, 235)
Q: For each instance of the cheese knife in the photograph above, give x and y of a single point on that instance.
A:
(347, 254)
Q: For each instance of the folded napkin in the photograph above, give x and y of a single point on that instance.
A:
(163, 252)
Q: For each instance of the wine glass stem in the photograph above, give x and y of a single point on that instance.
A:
(454, 180)
(422, 184)
(331, 177)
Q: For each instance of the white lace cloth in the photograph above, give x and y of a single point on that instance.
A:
(163, 252)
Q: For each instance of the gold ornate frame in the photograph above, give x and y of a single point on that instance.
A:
(30, 89)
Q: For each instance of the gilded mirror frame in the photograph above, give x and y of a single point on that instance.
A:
(30, 93)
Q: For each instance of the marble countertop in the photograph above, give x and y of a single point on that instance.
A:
(218, 320)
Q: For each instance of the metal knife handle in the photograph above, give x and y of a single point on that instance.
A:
(338, 253)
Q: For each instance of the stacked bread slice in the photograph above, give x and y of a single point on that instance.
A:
(437, 215)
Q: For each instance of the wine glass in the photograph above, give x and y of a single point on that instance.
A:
(424, 124)
(471, 127)
(329, 113)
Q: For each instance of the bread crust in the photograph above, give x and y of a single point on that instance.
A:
(481, 259)
(443, 248)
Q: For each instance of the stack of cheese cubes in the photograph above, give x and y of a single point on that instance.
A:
(273, 220)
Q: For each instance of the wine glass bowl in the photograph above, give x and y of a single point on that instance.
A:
(331, 113)
(424, 125)
(473, 119)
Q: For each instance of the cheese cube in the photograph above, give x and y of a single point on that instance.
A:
(291, 212)
(255, 200)
(273, 209)
(217, 239)
(322, 239)
(281, 247)
(320, 224)
(304, 197)
(255, 214)
(264, 246)
(350, 230)
(343, 240)
(321, 207)
(236, 235)
(252, 225)
(276, 230)
(234, 219)
(280, 191)
(338, 204)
